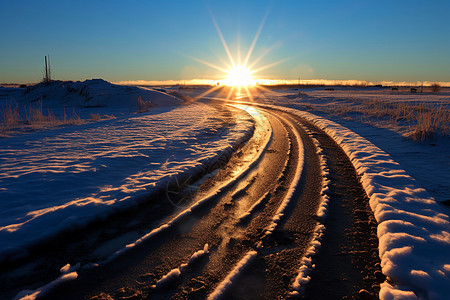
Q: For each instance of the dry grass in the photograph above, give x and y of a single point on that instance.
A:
(430, 123)
(35, 117)
(419, 122)
(143, 105)
(185, 98)
(10, 116)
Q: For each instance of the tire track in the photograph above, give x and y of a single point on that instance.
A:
(243, 260)
(213, 224)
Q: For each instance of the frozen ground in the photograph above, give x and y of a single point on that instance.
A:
(51, 180)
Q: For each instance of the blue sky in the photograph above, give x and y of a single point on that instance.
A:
(148, 40)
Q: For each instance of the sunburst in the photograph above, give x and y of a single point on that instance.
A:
(238, 75)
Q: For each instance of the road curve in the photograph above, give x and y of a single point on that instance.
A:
(247, 240)
(237, 221)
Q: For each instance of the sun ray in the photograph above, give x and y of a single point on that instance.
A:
(255, 39)
(208, 63)
(249, 95)
(265, 52)
(224, 62)
(270, 65)
(239, 50)
(207, 92)
(224, 43)
(239, 71)
(230, 93)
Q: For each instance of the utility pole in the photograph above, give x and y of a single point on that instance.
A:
(47, 72)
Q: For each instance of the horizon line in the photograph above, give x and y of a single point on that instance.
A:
(345, 82)
(263, 81)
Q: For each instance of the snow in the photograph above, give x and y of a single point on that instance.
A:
(223, 286)
(35, 294)
(281, 211)
(263, 132)
(90, 93)
(413, 229)
(177, 272)
(64, 178)
(307, 261)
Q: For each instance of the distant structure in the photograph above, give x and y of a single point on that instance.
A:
(47, 71)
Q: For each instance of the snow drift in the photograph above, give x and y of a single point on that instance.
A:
(92, 93)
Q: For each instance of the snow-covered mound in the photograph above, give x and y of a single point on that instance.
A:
(92, 93)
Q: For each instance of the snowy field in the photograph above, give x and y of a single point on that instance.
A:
(54, 177)
(58, 178)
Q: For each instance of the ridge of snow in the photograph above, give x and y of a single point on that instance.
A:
(177, 272)
(35, 294)
(225, 284)
(93, 93)
(281, 211)
(307, 261)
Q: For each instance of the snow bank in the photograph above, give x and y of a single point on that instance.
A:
(413, 230)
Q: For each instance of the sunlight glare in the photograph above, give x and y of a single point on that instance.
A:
(239, 76)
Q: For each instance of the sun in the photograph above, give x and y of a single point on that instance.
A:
(239, 76)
